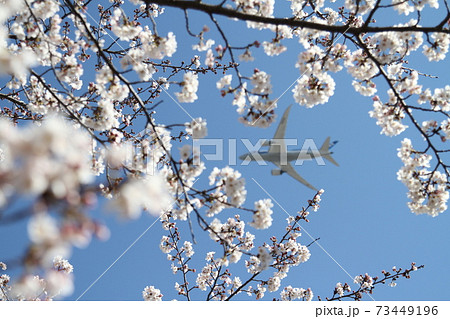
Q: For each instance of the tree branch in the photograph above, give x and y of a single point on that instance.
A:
(232, 13)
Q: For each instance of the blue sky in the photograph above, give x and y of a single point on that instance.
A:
(363, 223)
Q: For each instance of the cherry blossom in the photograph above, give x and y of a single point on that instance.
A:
(427, 190)
(147, 193)
(150, 293)
(189, 88)
(197, 128)
(262, 218)
(231, 181)
(314, 89)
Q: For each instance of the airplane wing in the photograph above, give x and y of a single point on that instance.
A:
(293, 173)
(279, 134)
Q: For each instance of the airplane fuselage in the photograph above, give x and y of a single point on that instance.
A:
(281, 157)
(289, 156)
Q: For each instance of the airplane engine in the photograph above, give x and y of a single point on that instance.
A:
(277, 172)
(266, 143)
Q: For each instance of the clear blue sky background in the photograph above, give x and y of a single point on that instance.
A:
(363, 222)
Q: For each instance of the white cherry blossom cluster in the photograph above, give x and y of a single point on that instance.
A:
(298, 5)
(281, 256)
(427, 189)
(359, 7)
(46, 47)
(314, 89)
(315, 86)
(246, 56)
(56, 283)
(293, 253)
(445, 127)
(122, 27)
(262, 218)
(388, 117)
(255, 103)
(390, 47)
(150, 293)
(189, 171)
(215, 277)
(62, 264)
(207, 278)
(404, 84)
(189, 85)
(106, 117)
(109, 86)
(42, 100)
(262, 261)
(4, 284)
(159, 139)
(203, 45)
(197, 128)
(365, 282)
(438, 48)
(439, 100)
(340, 289)
(136, 194)
(157, 47)
(261, 112)
(430, 127)
(315, 202)
(135, 58)
(50, 236)
(152, 8)
(273, 48)
(49, 161)
(234, 228)
(289, 293)
(148, 45)
(261, 83)
(307, 36)
(224, 82)
(178, 254)
(232, 237)
(231, 182)
(71, 71)
(314, 59)
(50, 158)
(360, 66)
(263, 8)
(14, 60)
(407, 7)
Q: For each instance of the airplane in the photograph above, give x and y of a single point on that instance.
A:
(280, 156)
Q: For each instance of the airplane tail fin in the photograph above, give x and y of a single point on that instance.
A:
(325, 150)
